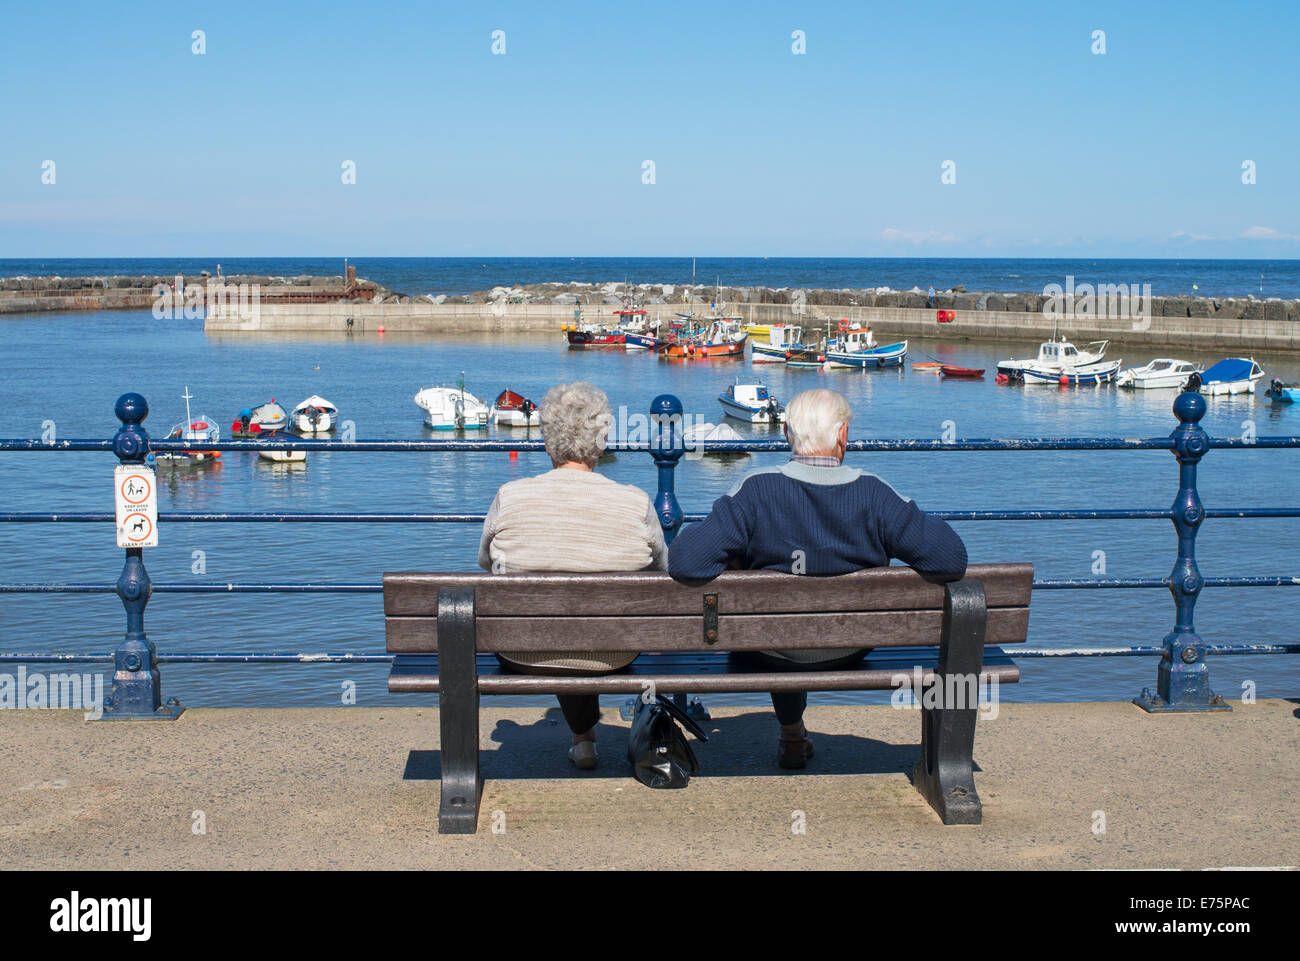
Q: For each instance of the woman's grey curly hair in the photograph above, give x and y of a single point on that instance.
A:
(576, 421)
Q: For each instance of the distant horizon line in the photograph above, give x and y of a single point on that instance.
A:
(675, 257)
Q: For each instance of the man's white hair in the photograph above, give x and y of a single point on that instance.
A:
(813, 419)
(576, 421)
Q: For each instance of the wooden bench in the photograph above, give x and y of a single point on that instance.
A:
(438, 624)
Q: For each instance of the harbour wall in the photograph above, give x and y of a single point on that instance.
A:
(1234, 334)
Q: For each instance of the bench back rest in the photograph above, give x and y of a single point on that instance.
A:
(739, 610)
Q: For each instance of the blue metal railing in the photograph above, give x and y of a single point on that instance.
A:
(1182, 677)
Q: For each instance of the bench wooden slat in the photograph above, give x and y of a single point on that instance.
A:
(415, 635)
(693, 674)
(654, 593)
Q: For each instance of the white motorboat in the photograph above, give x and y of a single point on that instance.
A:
(1163, 372)
(702, 437)
(315, 415)
(751, 402)
(452, 408)
(1235, 375)
(283, 456)
(1102, 372)
(1053, 356)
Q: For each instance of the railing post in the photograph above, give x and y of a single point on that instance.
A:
(667, 447)
(137, 686)
(1183, 681)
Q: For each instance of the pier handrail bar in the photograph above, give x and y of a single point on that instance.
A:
(1182, 677)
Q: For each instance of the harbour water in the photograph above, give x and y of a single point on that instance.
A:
(65, 371)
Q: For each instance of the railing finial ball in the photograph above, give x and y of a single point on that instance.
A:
(1189, 407)
(131, 408)
(665, 405)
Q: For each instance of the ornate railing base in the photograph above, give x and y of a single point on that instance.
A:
(1154, 704)
(137, 686)
(1182, 681)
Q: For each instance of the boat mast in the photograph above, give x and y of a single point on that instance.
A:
(188, 397)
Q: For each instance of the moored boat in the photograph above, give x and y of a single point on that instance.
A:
(256, 421)
(751, 401)
(193, 430)
(1053, 355)
(723, 338)
(949, 370)
(1163, 372)
(780, 339)
(591, 336)
(452, 408)
(515, 410)
(1083, 375)
(701, 439)
(315, 415)
(1234, 375)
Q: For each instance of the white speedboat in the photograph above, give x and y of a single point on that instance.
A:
(1162, 372)
(283, 456)
(1236, 375)
(452, 408)
(315, 415)
(751, 402)
(1053, 355)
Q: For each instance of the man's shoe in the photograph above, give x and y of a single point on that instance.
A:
(793, 752)
(583, 755)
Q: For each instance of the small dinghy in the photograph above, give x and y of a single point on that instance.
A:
(452, 408)
(948, 370)
(315, 415)
(1283, 393)
(1236, 375)
(515, 410)
(256, 421)
(751, 402)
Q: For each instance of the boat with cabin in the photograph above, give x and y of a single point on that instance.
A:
(1053, 356)
(856, 347)
(1161, 373)
(1234, 375)
(780, 339)
(751, 401)
(722, 338)
(192, 430)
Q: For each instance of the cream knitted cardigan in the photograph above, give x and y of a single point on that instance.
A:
(574, 521)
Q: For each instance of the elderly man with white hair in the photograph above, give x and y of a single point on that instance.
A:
(814, 516)
(573, 519)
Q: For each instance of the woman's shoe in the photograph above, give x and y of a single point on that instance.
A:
(583, 755)
(793, 752)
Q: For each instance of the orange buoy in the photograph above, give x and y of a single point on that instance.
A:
(381, 328)
(1064, 381)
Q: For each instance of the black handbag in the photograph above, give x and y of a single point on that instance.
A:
(660, 754)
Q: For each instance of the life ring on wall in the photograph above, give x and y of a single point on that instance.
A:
(844, 325)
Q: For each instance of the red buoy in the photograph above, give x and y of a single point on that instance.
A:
(1064, 381)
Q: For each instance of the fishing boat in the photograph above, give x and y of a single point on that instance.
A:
(1083, 375)
(315, 415)
(1283, 393)
(591, 335)
(1163, 372)
(949, 370)
(780, 339)
(452, 408)
(750, 401)
(514, 410)
(256, 421)
(192, 430)
(1235, 375)
(641, 341)
(1053, 355)
(722, 338)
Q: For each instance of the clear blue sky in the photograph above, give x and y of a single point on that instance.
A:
(757, 151)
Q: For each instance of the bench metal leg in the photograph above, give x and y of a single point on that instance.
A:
(943, 774)
(458, 712)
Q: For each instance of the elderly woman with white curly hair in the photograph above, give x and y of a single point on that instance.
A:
(573, 519)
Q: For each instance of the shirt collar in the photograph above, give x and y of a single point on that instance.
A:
(815, 460)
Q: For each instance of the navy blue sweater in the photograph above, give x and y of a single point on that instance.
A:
(818, 521)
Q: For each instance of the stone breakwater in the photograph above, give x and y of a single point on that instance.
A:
(1236, 326)
(30, 294)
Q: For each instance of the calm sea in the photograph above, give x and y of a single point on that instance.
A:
(65, 371)
(460, 275)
